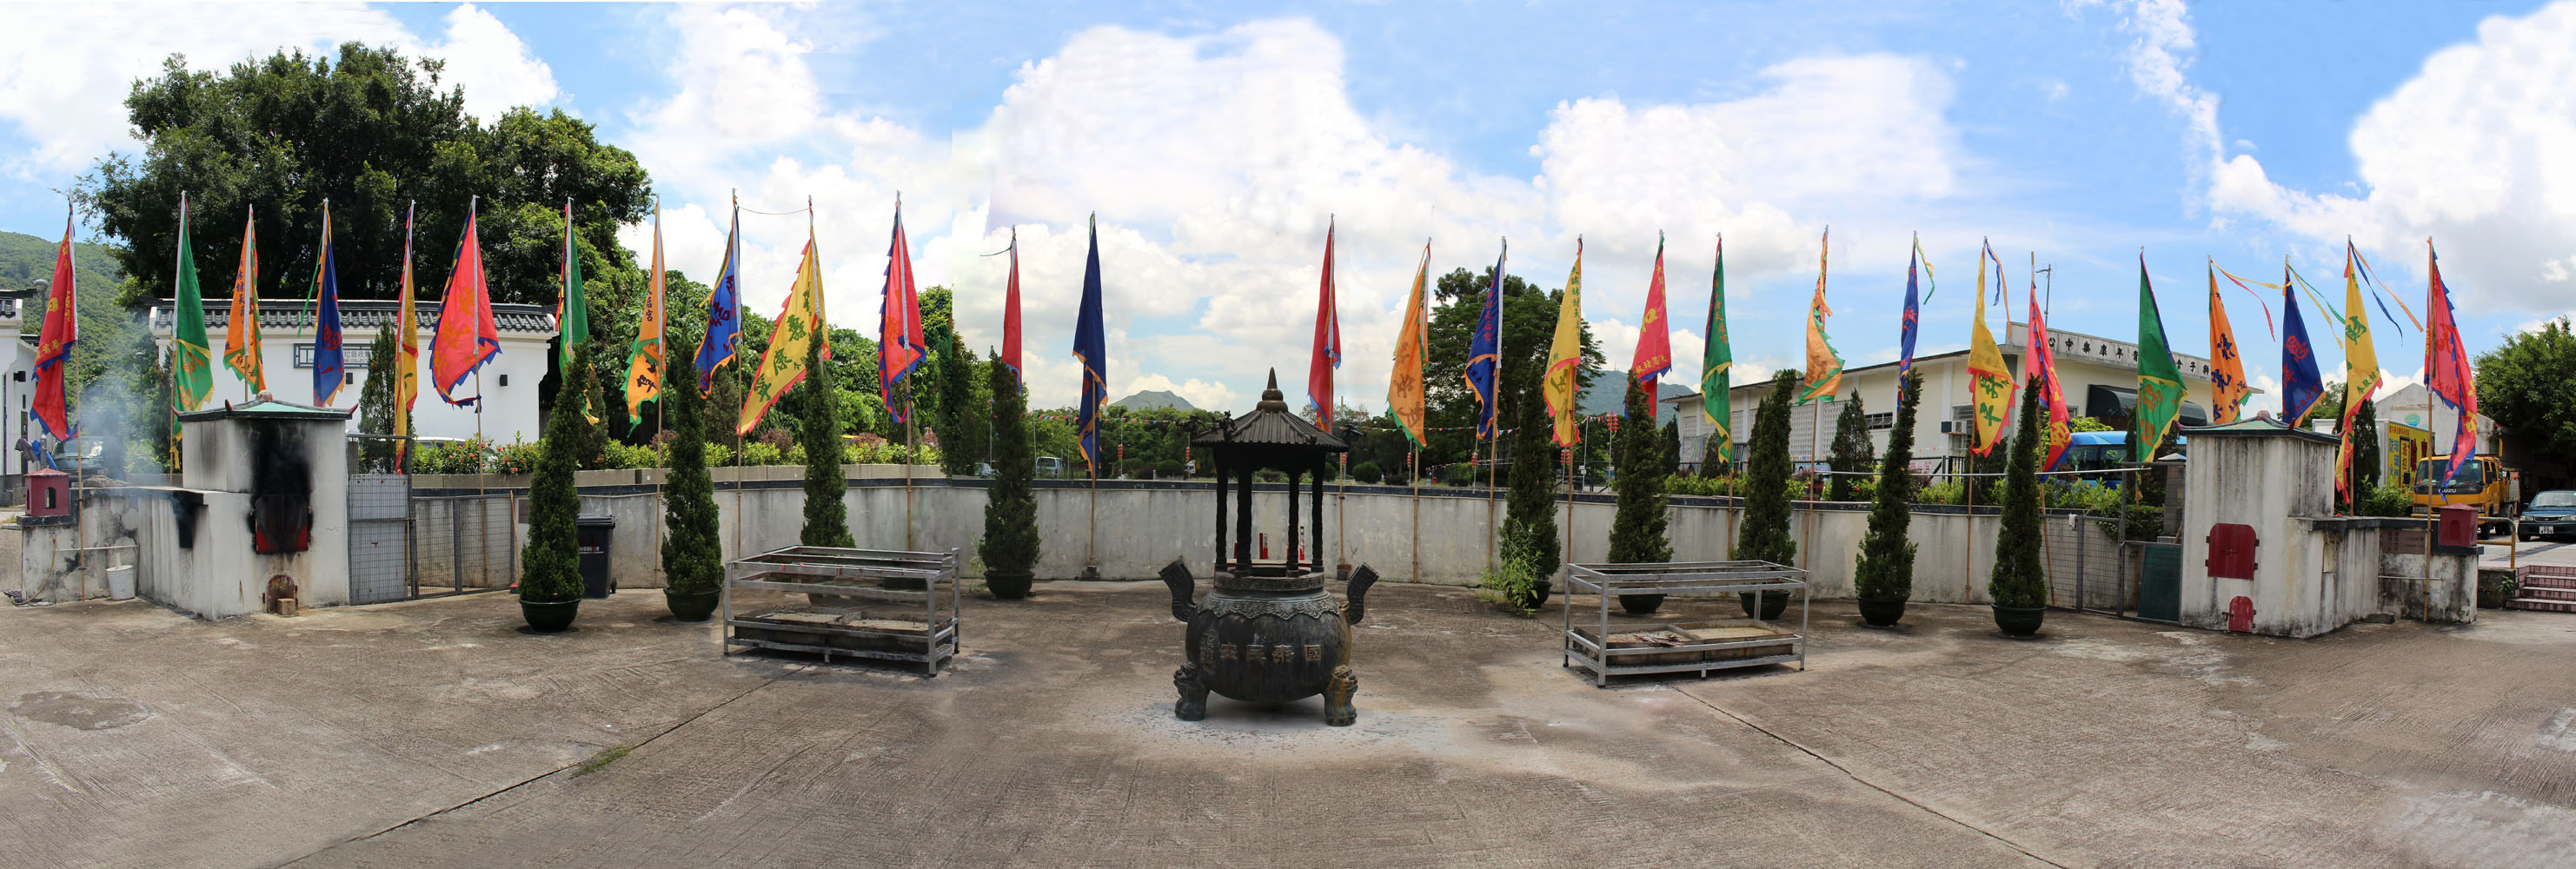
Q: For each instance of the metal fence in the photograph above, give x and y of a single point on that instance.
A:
(465, 541)
(2086, 564)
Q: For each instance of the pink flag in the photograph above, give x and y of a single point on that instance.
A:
(1654, 336)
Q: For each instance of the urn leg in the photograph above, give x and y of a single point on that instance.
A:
(1193, 703)
(1338, 710)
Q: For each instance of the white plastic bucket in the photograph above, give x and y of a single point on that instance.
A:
(120, 583)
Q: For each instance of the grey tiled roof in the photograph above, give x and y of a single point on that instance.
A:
(358, 314)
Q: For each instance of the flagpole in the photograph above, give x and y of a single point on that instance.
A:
(661, 376)
(1416, 468)
(2047, 561)
(734, 238)
(178, 254)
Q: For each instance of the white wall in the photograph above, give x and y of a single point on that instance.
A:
(507, 413)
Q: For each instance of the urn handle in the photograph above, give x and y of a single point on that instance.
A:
(1178, 578)
(1361, 578)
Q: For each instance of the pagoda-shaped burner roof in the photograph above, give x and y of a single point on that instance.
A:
(1270, 424)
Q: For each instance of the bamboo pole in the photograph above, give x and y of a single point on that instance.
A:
(1416, 464)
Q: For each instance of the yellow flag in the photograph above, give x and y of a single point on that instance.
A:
(1989, 382)
(644, 358)
(1824, 366)
(2360, 370)
(799, 325)
(1565, 356)
(406, 356)
(1404, 397)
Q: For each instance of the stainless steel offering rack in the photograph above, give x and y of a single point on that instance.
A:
(921, 625)
(1681, 648)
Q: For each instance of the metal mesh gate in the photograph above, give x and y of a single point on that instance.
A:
(467, 541)
(2086, 570)
(379, 538)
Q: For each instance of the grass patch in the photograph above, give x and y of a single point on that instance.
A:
(605, 757)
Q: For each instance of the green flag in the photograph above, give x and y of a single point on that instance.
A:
(572, 313)
(1714, 360)
(192, 359)
(2160, 386)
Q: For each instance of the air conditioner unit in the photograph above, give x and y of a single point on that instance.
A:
(1954, 426)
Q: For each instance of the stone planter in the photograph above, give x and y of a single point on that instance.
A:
(1008, 584)
(549, 616)
(694, 608)
(2019, 621)
(1881, 613)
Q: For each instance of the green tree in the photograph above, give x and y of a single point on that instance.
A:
(2365, 450)
(1637, 526)
(1850, 455)
(827, 519)
(1671, 444)
(1529, 525)
(1010, 545)
(1528, 329)
(549, 569)
(2018, 579)
(692, 553)
(376, 411)
(1886, 568)
(2523, 384)
(371, 133)
(1764, 534)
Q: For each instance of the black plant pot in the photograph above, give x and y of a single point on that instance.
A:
(903, 584)
(691, 607)
(1008, 585)
(1881, 613)
(549, 616)
(1640, 604)
(1773, 604)
(2019, 621)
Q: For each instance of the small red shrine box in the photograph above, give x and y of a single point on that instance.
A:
(2458, 525)
(49, 494)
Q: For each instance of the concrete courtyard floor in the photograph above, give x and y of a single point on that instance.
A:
(436, 733)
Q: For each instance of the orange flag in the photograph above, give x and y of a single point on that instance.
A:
(466, 336)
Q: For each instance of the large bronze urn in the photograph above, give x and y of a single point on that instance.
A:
(1269, 632)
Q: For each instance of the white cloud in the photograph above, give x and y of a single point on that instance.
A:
(2159, 62)
(67, 60)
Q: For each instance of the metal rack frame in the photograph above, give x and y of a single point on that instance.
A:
(1676, 578)
(856, 573)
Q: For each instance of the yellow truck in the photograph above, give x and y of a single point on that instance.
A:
(2483, 483)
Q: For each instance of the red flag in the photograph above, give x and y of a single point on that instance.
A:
(899, 341)
(54, 346)
(2044, 361)
(1328, 342)
(2446, 365)
(1654, 336)
(466, 337)
(1011, 311)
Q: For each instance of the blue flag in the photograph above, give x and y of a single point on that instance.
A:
(1906, 324)
(2301, 386)
(329, 372)
(1485, 355)
(1091, 347)
(724, 310)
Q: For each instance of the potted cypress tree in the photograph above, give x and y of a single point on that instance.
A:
(1010, 544)
(1764, 534)
(692, 554)
(2017, 585)
(1884, 578)
(1529, 524)
(827, 520)
(1850, 452)
(549, 566)
(1637, 528)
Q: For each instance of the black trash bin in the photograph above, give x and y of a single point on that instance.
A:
(590, 538)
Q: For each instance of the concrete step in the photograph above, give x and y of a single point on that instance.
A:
(2542, 593)
(2543, 580)
(2533, 603)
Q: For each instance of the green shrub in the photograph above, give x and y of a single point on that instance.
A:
(2389, 500)
(1514, 585)
(692, 554)
(1167, 469)
(1366, 472)
(521, 457)
(2018, 579)
(1764, 534)
(1011, 542)
(827, 516)
(626, 456)
(548, 567)
(1886, 567)
(1638, 524)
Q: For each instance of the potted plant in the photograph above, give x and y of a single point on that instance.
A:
(1884, 578)
(1529, 535)
(692, 556)
(1637, 527)
(2017, 585)
(1010, 544)
(1765, 530)
(549, 566)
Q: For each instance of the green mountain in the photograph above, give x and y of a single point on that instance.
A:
(1153, 399)
(26, 259)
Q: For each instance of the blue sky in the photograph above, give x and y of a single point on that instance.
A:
(1215, 140)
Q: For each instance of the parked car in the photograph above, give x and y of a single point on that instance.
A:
(1050, 467)
(2551, 514)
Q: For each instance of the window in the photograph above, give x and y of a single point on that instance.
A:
(352, 356)
(1881, 420)
(1964, 411)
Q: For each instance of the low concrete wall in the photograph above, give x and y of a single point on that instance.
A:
(1441, 537)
